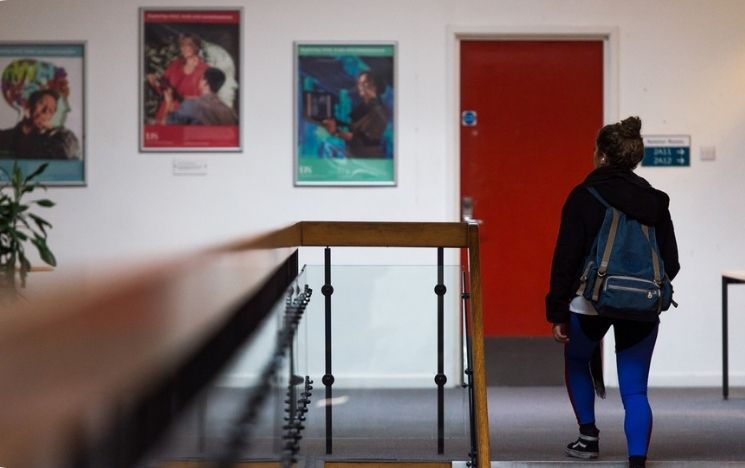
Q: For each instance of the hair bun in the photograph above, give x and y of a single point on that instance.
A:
(631, 127)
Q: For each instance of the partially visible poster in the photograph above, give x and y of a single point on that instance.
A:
(345, 125)
(42, 111)
(190, 80)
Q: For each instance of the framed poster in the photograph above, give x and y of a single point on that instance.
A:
(345, 105)
(42, 112)
(190, 79)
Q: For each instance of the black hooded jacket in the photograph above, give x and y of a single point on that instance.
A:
(581, 219)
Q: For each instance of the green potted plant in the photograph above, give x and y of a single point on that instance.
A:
(19, 226)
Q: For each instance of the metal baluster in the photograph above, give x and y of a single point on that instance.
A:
(328, 378)
(725, 351)
(440, 378)
(240, 437)
(296, 407)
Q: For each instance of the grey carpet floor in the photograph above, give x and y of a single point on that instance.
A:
(692, 427)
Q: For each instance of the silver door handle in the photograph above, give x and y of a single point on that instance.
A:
(469, 220)
(466, 209)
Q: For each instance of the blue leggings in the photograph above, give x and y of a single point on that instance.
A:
(634, 346)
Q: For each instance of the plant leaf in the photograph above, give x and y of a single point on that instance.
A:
(45, 202)
(41, 222)
(18, 225)
(17, 177)
(38, 171)
(46, 255)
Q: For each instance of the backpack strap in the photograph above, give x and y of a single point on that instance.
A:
(603, 267)
(596, 194)
(655, 258)
(583, 280)
(655, 268)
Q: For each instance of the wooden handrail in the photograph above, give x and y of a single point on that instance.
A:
(68, 361)
(73, 362)
(357, 234)
(371, 234)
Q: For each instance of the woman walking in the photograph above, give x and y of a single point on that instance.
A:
(575, 322)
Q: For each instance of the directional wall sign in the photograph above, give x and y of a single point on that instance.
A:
(667, 150)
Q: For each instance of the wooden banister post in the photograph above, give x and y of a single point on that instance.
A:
(477, 343)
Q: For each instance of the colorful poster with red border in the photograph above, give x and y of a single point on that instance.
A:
(190, 80)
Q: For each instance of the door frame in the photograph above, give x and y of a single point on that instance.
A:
(455, 34)
(609, 35)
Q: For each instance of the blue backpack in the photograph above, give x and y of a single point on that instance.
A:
(624, 276)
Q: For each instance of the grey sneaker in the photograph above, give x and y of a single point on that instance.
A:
(585, 447)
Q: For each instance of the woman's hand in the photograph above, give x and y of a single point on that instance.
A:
(560, 332)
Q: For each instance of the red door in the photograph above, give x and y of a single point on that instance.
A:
(539, 105)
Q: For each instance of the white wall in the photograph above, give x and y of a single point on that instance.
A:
(681, 66)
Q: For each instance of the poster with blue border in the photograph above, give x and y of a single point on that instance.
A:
(42, 110)
(345, 114)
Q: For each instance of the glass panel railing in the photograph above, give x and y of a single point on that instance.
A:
(383, 401)
(384, 362)
(252, 410)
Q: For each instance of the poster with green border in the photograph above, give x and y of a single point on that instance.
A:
(345, 114)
